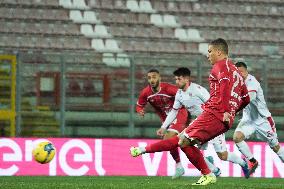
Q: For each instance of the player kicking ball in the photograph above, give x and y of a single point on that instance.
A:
(228, 95)
(192, 96)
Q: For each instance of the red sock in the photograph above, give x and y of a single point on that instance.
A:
(175, 155)
(196, 158)
(163, 145)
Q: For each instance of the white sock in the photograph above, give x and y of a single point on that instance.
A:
(143, 149)
(280, 154)
(211, 166)
(244, 149)
(232, 157)
(179, 165)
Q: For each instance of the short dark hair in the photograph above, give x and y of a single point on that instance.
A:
(153, 70)
(183, 71)
(241, 64)
(221, 44)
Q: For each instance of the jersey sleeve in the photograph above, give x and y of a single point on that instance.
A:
(177, 104)
(142, 101)
(202, 93)
(252, 87)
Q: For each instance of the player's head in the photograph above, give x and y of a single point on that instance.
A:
(182, 77)
(154, 78)
(242, 67)
(217, 50)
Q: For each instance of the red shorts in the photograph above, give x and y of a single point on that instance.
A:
(205, 127)
(180, 123)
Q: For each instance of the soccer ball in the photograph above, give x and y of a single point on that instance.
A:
(44, 152)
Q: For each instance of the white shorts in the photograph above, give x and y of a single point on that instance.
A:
(218, 142)
(264, 131)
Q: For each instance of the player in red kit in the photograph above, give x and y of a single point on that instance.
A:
(161, 96)
(228, 95)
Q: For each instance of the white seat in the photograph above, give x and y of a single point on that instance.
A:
(87, 30)
(133, 5)
(66, 4)
(203, 48)
(156, 19)
(111, 45)
(80, 4)
(170, 20)
(109, 59)
(123, 60)
(90, 17)
(76, 16)
(181, 34)
(194, 35)
(98, 44)
(101, 31)
(145, 6)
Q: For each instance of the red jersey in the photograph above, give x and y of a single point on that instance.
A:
(228, 92)
(162, 101)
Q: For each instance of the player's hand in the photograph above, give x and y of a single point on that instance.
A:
(161, 132)
(226, 118)
(141, 113)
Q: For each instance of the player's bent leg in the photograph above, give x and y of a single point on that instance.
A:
(238, 137)
(185, 141)
(210, 163)
(279, 151)
(175, 154)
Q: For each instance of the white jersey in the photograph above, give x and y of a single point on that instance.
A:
(256, 111)
(192, 99)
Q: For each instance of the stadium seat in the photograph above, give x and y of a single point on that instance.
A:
(108, 59)
(123, 60)
(202, 48)
(181, 34)
(98, 44)
(112, 45)
(133, 5)
(194, 35)
(101, 31)
(145, 6)
(74, 4)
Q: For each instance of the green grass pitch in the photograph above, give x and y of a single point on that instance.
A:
(110, 182)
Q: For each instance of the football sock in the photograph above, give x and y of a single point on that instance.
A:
(179, 165)
(195, 156)
(234, 158)
(211, 166)
(244, 149)
(280, 153)
(175, 155)
(163, 145)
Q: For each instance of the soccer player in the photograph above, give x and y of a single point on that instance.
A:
(191, 96)
(161, 97)
(228, 95)
(256, 120)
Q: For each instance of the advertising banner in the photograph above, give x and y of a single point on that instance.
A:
(110, 157)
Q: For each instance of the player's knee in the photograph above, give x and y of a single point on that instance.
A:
(169, 134)
(276, 148)
(238, 137)
(223, 155)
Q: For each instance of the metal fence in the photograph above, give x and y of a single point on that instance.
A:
(92, 95)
